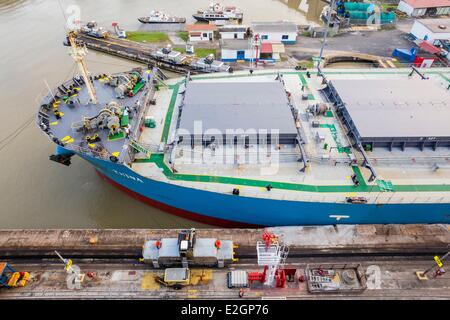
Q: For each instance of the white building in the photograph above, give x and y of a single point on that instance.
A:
(431, 29)
(201, 32)
(236, 49)
(281, 31)
(418, 8)
(233, 32)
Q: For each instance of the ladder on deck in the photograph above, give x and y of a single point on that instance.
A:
(140, 148)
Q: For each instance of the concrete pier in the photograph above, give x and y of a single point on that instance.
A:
(303, 241)
(388, 255)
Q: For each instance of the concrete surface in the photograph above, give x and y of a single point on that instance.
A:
(303, 240)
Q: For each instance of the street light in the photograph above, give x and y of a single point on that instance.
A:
(325, 34)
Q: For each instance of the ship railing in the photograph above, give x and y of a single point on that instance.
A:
(412, 160)
(146, 105)
(96, 154)
(442, 161)
(373, 196)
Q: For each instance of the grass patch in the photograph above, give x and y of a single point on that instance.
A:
(140, 36)
(184, 35)
(399, 64)
(306, 63)
(388, 7)
(199, 52)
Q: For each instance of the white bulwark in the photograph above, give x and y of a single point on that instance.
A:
(431, 29)
(418, 8)
(280, 31)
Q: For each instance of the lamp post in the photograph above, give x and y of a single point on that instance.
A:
(325, 34)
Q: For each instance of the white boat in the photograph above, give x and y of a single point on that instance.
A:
(217, 12)
(160, 17)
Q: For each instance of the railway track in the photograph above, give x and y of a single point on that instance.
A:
(241, 253)
(397, 272)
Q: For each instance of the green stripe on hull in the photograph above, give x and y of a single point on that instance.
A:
(158, 159)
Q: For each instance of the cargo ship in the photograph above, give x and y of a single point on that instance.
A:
(263, 148)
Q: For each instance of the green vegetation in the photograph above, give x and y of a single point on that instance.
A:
(184, 35)
(199, 52)
(306, 63)
(388, 6)
(142, 36)
(399, 64)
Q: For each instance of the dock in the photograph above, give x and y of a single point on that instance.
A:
(134, 51)
(113, 269)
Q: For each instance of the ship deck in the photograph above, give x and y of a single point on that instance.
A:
(412, 176)
(81, 108)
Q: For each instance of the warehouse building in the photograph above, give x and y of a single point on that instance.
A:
(281, 31)
(431, 30)
(242, 50)
(237, 50)
(233, 32)
(419, 8)
(201, 32)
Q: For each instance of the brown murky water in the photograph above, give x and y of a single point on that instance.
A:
(38, 193)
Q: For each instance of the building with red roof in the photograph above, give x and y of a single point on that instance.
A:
(201, 32)
(418, 8)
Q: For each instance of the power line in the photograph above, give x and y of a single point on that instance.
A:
(13, 135)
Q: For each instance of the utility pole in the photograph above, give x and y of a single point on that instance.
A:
(325, 34)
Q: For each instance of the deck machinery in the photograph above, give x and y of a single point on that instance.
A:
(10, 278)
(187, 249)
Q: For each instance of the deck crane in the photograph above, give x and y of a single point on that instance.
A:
(78, 53)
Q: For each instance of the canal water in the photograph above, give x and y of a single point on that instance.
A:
(38, 193)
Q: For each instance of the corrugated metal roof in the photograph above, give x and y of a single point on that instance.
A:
(428, 3)
(396, 108)
(235, 44)
(233, 28)
(436, 25)
(428, 47)
(279, 26)
(266, 47)
(237, 105)
(278, 47)
(200, 27)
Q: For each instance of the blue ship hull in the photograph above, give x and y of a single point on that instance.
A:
(232, 211)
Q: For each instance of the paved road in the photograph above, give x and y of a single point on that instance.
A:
(380, 43)
(389, 278)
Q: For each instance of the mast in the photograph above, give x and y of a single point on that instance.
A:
(78, 53)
